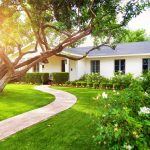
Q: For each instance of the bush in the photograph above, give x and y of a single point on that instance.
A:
(73, 83)
(96, 85)
(83, 84)
(103, 85)
(83, 78)
(145, 81)
(122, 125)
(35, 78)
(78, 83)
(60, 77)
(109, 85)
(94, 78)
(89, 84)
(121, 81)
(67, 83)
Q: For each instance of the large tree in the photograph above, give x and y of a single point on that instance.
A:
(55, 25)
(132, 36)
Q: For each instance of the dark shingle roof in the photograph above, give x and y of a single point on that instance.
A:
(121, 49)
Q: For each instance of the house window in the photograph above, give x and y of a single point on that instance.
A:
(146, 65)
(36, 68)
(120, 65)
(95, 66)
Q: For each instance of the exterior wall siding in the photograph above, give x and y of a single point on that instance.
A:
(54, 65)
(133, 65)
(76, 69)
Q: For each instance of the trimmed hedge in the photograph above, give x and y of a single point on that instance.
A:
(35, 78)
(60, 77)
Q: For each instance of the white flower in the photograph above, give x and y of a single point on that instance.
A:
(117, 93)
(116, 125)
(128, 147)
(97, 97)
(104, 142)
(103, 115)
(124, 108)
(104, 95)
(146, 94)
(115, 129)
(114, 91)
(137, 136)
(144, 110)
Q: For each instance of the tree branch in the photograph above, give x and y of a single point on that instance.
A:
(7, 61)
(93, 14)
(56, 29)
(23, 54)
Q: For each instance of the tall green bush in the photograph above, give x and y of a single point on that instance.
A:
(60, 77)
(35, 78)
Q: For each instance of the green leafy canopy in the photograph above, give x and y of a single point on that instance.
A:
(68, 16)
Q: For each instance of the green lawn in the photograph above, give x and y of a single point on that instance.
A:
(17, 99)
(72, 129)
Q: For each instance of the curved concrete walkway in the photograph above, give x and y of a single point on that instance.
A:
(63, 101)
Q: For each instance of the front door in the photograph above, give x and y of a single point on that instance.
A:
(63, 65)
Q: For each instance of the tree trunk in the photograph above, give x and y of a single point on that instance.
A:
(4, 81)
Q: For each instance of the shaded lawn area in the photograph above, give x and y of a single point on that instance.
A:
(72, 129)
(18, 98)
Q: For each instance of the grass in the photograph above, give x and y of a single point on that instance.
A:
(72, 129)
(17, 99)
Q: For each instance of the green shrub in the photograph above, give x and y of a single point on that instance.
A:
(145, 81)
(83, 78)
(78, 83)
(123, 125)
(83, 84)
(73, 83)
(68, 82)
(35, 78)
(103, 85)
(94, 78)
(60, 77)
(44, 77)
(96, 85)
(122, 81)
(109, 85)
(89, 84)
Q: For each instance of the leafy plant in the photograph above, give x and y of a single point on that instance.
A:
(121, 81)
(145, 81)
(122, 126)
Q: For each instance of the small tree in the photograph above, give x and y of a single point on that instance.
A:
(57, 24)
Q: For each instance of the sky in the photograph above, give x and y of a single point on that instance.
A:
(142, 21)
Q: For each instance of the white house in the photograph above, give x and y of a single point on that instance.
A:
(129, 58)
